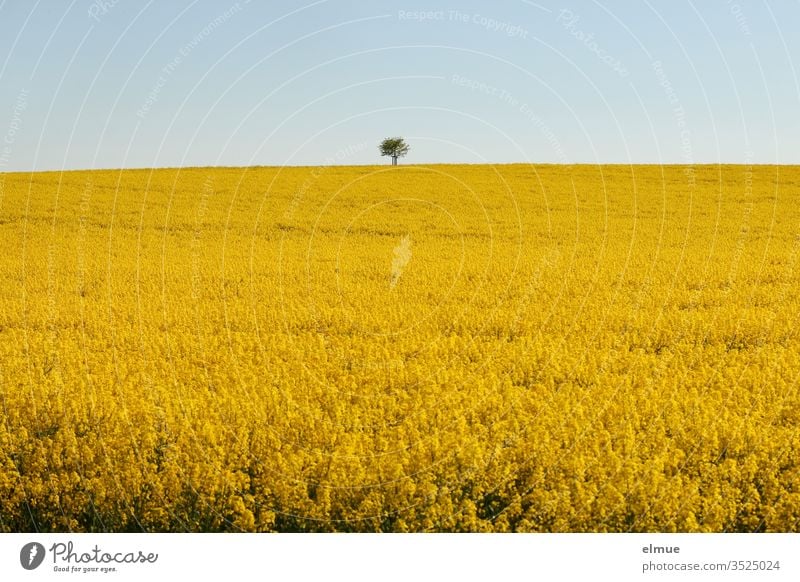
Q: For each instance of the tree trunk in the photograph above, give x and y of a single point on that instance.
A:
(394, 160)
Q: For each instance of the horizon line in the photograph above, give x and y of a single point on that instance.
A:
(386, 165)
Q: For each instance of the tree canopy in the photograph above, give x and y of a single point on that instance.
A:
(396, 147)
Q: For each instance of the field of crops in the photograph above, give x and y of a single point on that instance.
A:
(419, 348)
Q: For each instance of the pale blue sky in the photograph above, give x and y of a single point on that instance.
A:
(105, 84)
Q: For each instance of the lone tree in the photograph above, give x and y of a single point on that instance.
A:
(395, 147)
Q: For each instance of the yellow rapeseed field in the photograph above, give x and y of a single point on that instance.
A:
(419, 348)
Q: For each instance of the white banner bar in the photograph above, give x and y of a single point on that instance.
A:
(417, 557)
